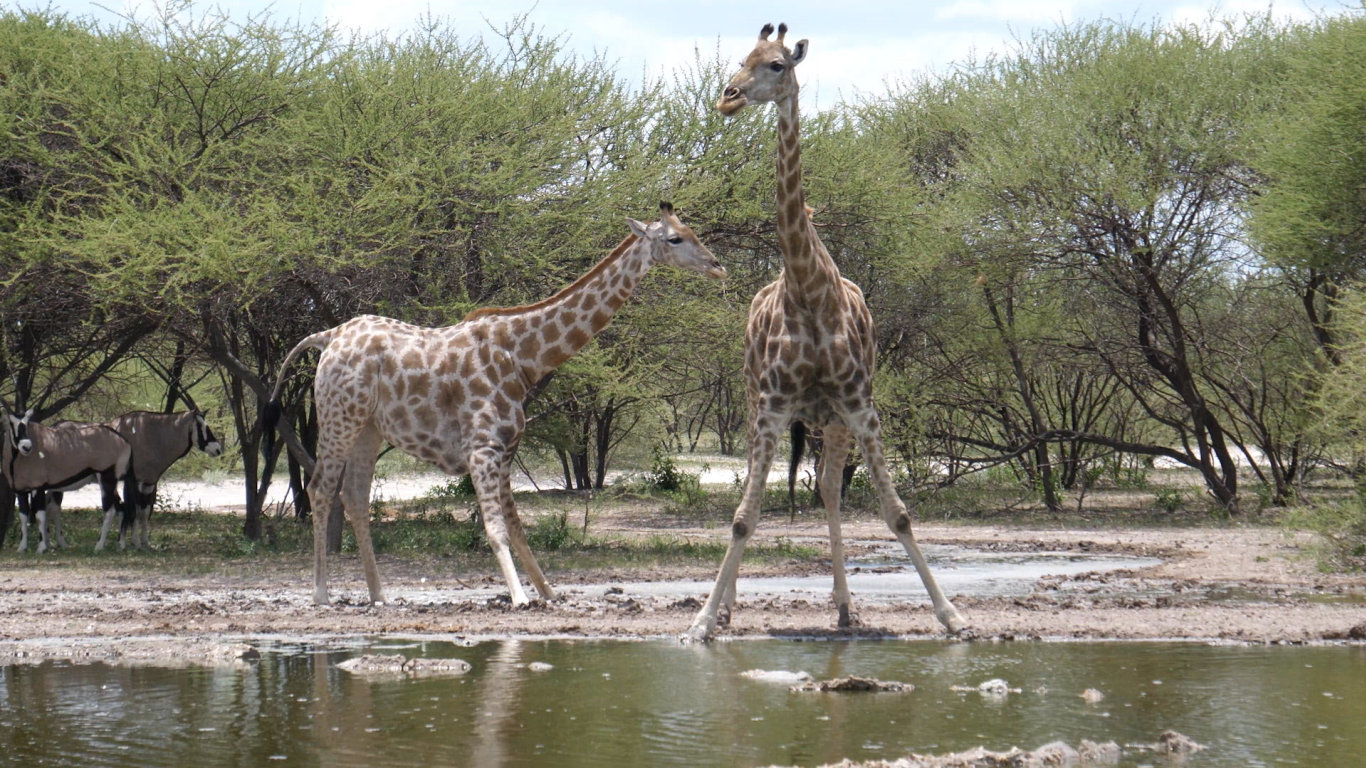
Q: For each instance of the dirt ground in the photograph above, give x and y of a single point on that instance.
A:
(1233, 583)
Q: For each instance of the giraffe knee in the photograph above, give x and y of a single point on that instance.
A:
(903, 523)
(739, 530)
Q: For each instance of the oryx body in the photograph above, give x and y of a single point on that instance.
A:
(158, 441)
(41, 461)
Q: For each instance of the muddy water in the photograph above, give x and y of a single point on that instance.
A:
(889, 575)
(659, 703)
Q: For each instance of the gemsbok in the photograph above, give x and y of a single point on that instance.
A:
(41, 462)
(158, 440)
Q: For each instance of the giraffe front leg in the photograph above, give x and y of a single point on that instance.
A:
(484, 472)
(895, 514)
(517, 536)
(763, 442)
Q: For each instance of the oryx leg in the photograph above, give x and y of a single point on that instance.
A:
(52, 502)
(867, 427)
(25, 512)
(142, 517)
(109, 499)
(41, 518)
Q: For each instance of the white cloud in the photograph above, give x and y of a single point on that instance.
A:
(999, 12)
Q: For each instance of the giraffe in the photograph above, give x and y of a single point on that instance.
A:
(453, 395)
(809, 356)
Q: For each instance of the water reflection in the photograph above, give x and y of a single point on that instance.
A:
(658, 703)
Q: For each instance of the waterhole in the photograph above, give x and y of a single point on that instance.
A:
(658, 703)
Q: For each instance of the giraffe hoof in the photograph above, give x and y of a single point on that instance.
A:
(848, 619)
(953, 621)
(699, 632)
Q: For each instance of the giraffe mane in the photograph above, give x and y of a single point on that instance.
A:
(584, 278)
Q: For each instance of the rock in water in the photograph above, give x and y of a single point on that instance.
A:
(853, 685)
(396, 664)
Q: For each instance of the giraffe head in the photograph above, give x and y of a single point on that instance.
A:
(672, 242)
(767, 74)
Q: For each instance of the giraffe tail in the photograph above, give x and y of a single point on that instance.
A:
(797, 432)
(272, 409)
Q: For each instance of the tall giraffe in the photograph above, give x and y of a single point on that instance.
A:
(453, 395)
(809, 355)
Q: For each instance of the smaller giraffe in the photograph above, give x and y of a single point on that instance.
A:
(810, 349)
(454, 395)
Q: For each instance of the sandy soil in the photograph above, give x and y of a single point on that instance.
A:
(1239, 584)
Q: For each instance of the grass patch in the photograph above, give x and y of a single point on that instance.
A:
(196, 541)
(1341, 526)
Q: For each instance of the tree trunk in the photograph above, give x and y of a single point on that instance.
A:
(6, 508)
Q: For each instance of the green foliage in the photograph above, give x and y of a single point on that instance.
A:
(1341, 526)
(440, 533)
(551, 533)
(452, 491)
(1313, 152)
(664, 474)
(1169, 499)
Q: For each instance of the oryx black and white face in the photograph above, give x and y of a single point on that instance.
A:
(17, 433)
(204, 438)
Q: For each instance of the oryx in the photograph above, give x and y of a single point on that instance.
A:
(158, 440)
(40, 462)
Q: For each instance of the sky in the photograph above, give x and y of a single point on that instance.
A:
(857, 47)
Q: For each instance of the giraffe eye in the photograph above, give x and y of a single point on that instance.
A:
(776, 67)
(675, 240)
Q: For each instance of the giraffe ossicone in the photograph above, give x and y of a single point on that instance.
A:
(453, 395)
(809, 356)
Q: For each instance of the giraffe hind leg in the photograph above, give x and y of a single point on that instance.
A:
(894, 513)
(355, 496)
(834, 453)
(322, 488)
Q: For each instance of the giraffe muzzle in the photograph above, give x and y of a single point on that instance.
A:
(731, 101)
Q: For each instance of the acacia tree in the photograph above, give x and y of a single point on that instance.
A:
(1090, 188)
(1309, 218)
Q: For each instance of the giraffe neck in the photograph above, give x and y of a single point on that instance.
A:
(543, 335)
(807, 266)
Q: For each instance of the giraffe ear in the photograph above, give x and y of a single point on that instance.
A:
(638, 227)
(799, 51)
